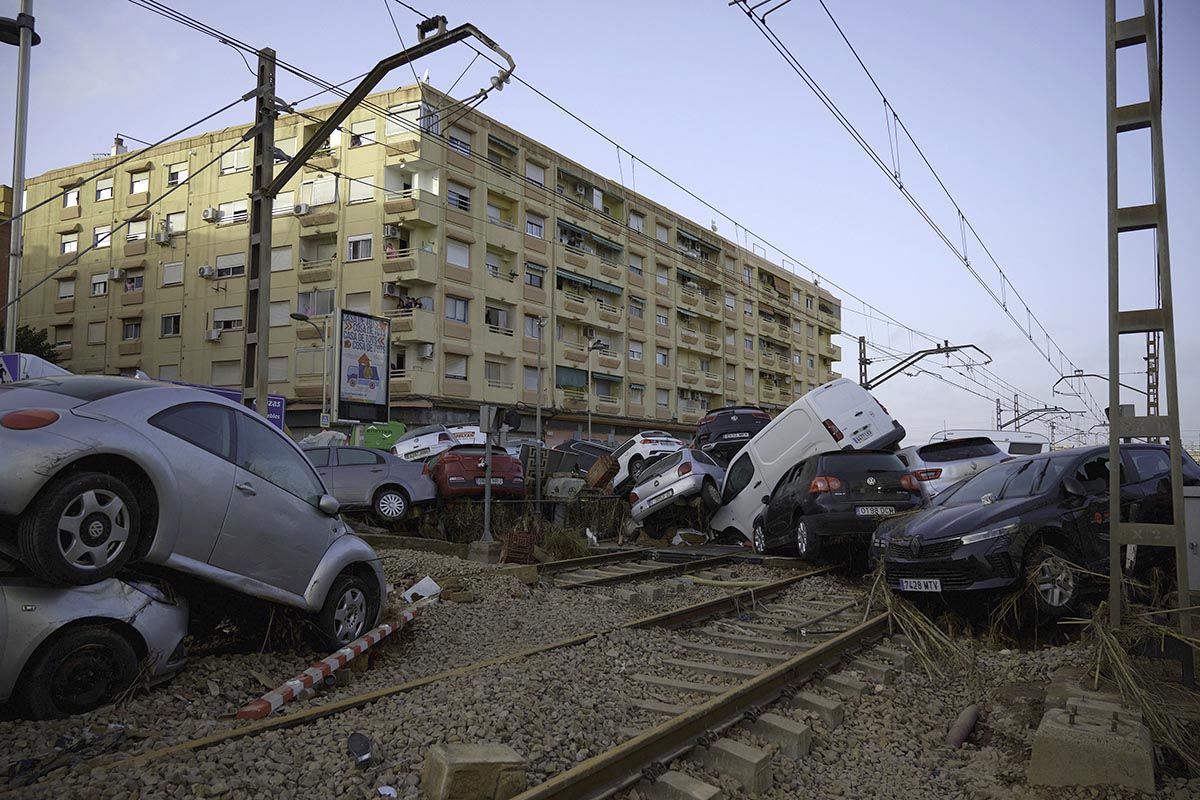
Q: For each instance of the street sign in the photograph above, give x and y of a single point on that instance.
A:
(325, 419)
(363, 344)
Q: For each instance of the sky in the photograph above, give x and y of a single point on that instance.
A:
(1005, 100)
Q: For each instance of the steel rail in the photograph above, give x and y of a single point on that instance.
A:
(665, 571)
(584, 562)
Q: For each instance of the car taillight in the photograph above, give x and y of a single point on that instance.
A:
(28, 419)
(707, 419)
(909, 482)
(927, 474)
(633, 498)
(834, 430)
(684, 469)
(760, 415)
(824, 483)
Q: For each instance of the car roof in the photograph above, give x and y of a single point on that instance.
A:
(89, 387)
(735, 408)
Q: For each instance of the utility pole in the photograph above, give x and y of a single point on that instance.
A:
(19, 32)
(1016, 412)
(537, 425)
(999, 414)
(863, 361)
(945, 348)
(256, 358)
(1152, 342)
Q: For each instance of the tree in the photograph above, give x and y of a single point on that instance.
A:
(35, 343)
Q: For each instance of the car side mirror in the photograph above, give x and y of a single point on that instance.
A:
(1074, 487)
(766, 499)
(329, 505)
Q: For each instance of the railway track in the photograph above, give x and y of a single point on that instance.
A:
(630, 567)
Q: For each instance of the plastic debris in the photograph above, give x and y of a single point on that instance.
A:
(386, 791)
(426, 587)
(360, 748)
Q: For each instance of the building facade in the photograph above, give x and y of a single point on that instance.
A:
(481, 245)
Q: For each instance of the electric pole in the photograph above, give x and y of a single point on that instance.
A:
(258, 272)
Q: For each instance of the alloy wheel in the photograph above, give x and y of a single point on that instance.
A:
(802, 538)
(93, 529)
(1055, 582)
(760, 539)
(350, 615)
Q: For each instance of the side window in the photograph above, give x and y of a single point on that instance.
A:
(1151, 464)
(353, 457)
(205, 425)
(264, 452)
(1093, 474)
(318, 456)
(623, 449)
(738, 477)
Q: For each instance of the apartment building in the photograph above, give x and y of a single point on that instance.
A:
(481, 245)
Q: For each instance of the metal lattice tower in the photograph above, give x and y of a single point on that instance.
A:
(1155, 321)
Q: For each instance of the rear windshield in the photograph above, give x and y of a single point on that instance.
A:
(415, 432)
(85, 387)
(662, 465)
(849, 461)
(1024, 448)
(957, 450)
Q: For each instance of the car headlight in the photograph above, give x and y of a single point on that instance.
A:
(991, 533)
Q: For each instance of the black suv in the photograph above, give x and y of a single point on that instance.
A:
(1037, 514)
(723, 432)
(841, 493)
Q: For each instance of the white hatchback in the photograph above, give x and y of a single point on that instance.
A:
(421, 443)
(638, 452)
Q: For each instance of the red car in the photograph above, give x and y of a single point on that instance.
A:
(459, 472)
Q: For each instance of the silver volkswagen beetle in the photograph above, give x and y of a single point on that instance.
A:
(102, 471)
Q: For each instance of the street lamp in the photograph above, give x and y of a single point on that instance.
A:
(321, 331)
(593, 346)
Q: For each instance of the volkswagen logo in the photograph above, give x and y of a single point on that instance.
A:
(871, 481)
(914, 547)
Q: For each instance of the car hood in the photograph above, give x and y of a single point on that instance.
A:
(943, 522)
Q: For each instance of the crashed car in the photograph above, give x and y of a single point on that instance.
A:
(70, 650)
(940, 465)
(104, 471)
(421, 443)
(682, 478)
(461, 472)
(360, 477)
(638, 452)
(724, 432)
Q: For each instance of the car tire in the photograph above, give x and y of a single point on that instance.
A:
(808, 544)
(710, 496)
(636, 467)
(390, 505)
(348, 612)
(81, 529)
(758, 538)
(1054, 587)
(79, 671)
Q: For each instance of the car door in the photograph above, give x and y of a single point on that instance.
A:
(274, 531)
(779, 511)
(1092, 518)
(359, 470)
(198, 440)
(323, 462)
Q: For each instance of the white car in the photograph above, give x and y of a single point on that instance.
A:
(940, 465)
(638, 452)
(1015, 443)
(468, 434)
(421, 443)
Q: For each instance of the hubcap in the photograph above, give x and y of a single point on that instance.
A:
(350, 615)
(802, 537)
(93, 529)
(391, 505)
(1055, 582)
(760, 542)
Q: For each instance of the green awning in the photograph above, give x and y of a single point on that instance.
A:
(562, 223)
(683, 312)
(503, 145)
(582, 280)
(683, 273)
(685, 235)
(606, 242)
(570, 378)
(606, 287)
(604, 376)
(529, 265)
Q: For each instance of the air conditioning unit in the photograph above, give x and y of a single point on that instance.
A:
(163, 236)
(589, 332)
(391, 231)
(580, 189)
(391, 290)
(213, 335)
(425, 351)
(301, 209)
(208, 272)
(116, 274)
(211, 214)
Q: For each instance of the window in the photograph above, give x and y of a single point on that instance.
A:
(797, 359)
(68, 243)
(796, 327)
(637, 221)
(662, 397)
(319, 191)
(662, 233)
(359, 301)
(235, 161)
(135, 280)
(281, 258)
(356, 457)
(662, 276)
(812, 362)
(738, 477)
(660, 318)
(135, 231)
(277, 369)
(284, 203)
(101, 235)
(231, 265)
(748, 344)
(530, 379)
(749, 378)
(168, 372)
(205, 425)
(535, 276)
(456, 367)
(131, 329)
(460, 140)
(636, 394)
(226, 373)
(99, 285)
(227, 318)
(62, 335)
(177, 222)
(730, 302)
(747, 276)
(808, 303)
(66, 288)
(362, 133)
(403, 119)
(172, 273)
(169, 324)
(748, 309)
(493, 372)
(535, 225)
(95, 333)
(1151, 463)
(533, 330)
(361, 190)
(104, 189)
(494, 262)
(71, 198)
(458, 253)
(661, 357)
(284, 149)
(635, 264)
(233, 211)
(177, 173)
(316, 303)
(635, 351)
(280, 311)
(264, 451)
(139, 182)
(458, 196)
(535, 174)
(358, 248)
(637, 307)
(318, 456)
(456, 309)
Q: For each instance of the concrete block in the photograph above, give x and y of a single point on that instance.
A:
(651, 593)
(464, 596)
(733, 653)
(1071, 681)
(900, 640)
(708, 668)
(472, 772)
(450, 584)
(749, 766)
(628, 596)
(484, 552)
(791, 737)
(679, 786)
(525, 573)
(897, 658)
(879, 673)
(1091, 752)
(676, 584)
(847, 686)
(828, 710)
(1098, 710)
(658, 707)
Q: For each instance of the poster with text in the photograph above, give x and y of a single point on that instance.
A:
(363, 343)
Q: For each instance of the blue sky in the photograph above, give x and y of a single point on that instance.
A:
(1005, 99)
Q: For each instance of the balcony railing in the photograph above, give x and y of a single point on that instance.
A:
(603, 306)
(499, 383)
(501, 274)
(396, 254)
(501, 223)
(400, 194)
(323, 263)
(500, 330)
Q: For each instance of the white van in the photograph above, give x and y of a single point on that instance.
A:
(1014, 443)
(839, 415)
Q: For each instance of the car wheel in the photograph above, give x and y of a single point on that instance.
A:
(808, 544)
(1054, 584)
(390, 505)
(636, 466)
(710, 495)
(349, 610)
(83, 669)
(759, 538)
(81, 529)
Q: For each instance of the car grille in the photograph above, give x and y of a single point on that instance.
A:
(952, 575)
(903, 548)
(1001, 565)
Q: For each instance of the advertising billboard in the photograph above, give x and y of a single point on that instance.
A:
(363, 356)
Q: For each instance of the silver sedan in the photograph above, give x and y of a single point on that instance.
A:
(679, 479)
(101, 471)
(360, 477)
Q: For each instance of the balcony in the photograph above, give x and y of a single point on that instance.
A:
(689, 337)
(573, 399)
(711, 343)
(768, 328)
(608, 404)
(712, 381)
(502, 234)
(574, 352)
(609, 362)
(689, 377)
(831, 351)
(414, 381)
(413, 325)
(711, 305)
(607, 311)
(610, 269)
(574, 304)
(411, 265)
(500, 341)
(689, 297)
(768, 359)
(406, 146)
(690, 412)
(315, 271)
(769, 394)
(411, 207)
(502, 285)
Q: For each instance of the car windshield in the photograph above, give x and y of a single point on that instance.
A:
(415, 432)
(1022, 478)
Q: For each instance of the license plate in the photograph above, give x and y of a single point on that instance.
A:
(662, 498)
(415, 454)
(920, 585)
(875, 511)
(741, 435)
(495, 481)
(861, 436)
